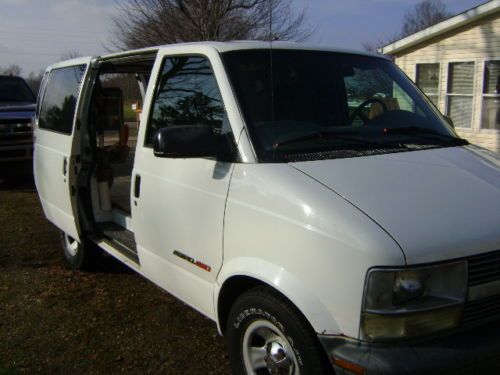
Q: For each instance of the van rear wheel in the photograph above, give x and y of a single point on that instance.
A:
(80, 255)
(266, 334)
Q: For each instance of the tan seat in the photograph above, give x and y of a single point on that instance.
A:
(376, 108)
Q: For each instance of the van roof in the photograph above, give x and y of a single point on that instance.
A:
(253, 44)
(239, 45)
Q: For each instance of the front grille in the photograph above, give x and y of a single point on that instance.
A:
(484, 268)
(482, 310)
(16, 140)
(8, 154)
(15, 128)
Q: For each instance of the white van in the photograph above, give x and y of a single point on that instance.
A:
(311, 201)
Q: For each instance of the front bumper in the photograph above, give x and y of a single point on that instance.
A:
(15, 152)
(475, 351)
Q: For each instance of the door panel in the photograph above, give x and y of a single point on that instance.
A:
(178, 211)
(52, 152)
(56, 145)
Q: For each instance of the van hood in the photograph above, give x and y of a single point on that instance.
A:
(437, 204)
(17, 110)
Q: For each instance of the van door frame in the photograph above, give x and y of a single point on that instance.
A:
(62, 213)
(88, 150)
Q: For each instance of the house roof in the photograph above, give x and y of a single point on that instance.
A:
(443, 27)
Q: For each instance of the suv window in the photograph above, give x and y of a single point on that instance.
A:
(59, 100)
(187, 94)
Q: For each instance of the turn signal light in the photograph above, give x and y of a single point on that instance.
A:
(351, 367)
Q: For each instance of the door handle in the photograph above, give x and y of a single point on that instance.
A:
(65, 166)
(137, 186)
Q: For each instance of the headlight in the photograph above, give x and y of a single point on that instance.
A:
(409, 302)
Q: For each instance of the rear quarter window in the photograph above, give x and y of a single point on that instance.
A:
(57, 110)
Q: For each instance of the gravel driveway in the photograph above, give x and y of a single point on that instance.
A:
(59, 321)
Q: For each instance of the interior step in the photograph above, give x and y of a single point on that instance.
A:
(120, 238)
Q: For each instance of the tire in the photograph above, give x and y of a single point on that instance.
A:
(80, 255)
(266, 324)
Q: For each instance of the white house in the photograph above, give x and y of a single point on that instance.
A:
(456, 63)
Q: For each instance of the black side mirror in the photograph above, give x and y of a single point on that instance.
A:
(186, 141)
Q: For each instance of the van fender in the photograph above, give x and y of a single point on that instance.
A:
(289, 285)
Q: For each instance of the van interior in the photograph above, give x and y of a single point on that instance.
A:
(108, 141)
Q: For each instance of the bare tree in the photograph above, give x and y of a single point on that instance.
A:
(374, 45)
(11, 70)
(423, 15)
(153, 22)
(34, 80)
(68, 55)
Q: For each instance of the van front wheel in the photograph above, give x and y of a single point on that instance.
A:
(266, 334)
(80, 255)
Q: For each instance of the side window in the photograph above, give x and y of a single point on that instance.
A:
(460, 97)
(40, 94)
(428, 81)
(490, 118)
(187, 95)
(57, 110)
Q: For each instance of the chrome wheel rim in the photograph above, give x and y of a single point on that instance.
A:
(267, 351)
(71, 245)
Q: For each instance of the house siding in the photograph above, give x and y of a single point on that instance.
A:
(477, 42)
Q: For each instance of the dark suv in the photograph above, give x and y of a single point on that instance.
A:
(17, 108)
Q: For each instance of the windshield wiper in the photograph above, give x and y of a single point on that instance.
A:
(345, 137)
(426, 133)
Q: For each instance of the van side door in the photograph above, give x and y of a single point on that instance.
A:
(178, 203)
(57, 143)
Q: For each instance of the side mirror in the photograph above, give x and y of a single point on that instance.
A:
(449, 121)
(185, 141)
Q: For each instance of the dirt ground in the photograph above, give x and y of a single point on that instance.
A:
(59, 321)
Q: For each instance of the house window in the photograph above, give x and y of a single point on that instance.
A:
(460, 91)
(490, 118)
(428, 81)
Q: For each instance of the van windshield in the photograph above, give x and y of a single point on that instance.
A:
(13, 89)
(325, 105)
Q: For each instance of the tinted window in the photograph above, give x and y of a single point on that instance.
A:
(59, 101)
(40, 94)
(14, 89)
(187, 95)
(308, 105)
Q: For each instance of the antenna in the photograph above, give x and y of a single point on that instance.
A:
(270, 23)
(271, 57)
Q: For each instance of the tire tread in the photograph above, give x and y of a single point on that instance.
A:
(304, 329)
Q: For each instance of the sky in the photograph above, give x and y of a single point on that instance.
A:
(37, 33)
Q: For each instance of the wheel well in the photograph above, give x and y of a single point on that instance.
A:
(237, 285)
(233, 288)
